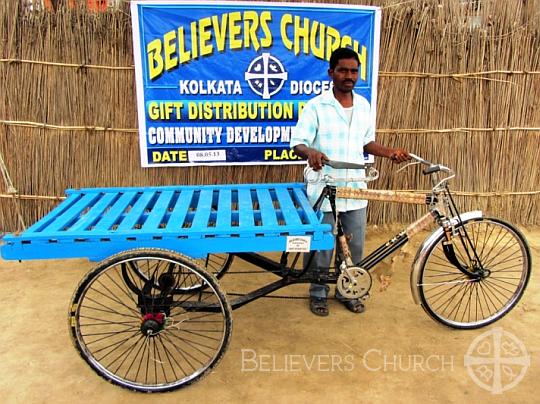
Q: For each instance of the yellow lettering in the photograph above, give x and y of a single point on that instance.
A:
(251, 23)
(155, 60)
(169, 40)
(227, 111)
(220, 31)
(317, 51)
(153, 110)
(169, 156)
(193, 113)
(207, 111)
(242, 110)
(275, 155)
(301, 106)
(286, 20)
(194, 42)
(346, 41)
(363, 63)
(266, 17)
(332, 36)
(301, 33)
(235, 30)
(205, 36)
(164, 110)
(247, 29)
(185, 55)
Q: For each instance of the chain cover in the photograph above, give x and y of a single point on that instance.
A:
(354, 283)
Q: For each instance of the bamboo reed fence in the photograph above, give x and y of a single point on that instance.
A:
(459, 84)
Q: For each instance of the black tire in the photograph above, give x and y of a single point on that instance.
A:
(139, 334)
(455, 299)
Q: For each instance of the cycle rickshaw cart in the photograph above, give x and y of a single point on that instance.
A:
(152, 317)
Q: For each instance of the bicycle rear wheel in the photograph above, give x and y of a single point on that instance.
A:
(139, 333)
(498, 256)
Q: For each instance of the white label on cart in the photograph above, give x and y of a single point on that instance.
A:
(298, 243)
(206, 155)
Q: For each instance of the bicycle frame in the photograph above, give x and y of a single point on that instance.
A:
(441, 210)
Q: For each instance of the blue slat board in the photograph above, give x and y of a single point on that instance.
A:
(180, 210)
(107, 220)
(290, 214)
(135, 214)
(95, 223)
(268, 213)
(67, 218)
(96, 212)
(245, 212)
(202, 212)
(156, 216)
(223, 220)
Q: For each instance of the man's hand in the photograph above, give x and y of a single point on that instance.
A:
(396, 155)
(315, 158)
(399, 155)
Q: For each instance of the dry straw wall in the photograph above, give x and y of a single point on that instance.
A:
(459, 84)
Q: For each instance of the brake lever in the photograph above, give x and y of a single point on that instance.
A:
(407, 165)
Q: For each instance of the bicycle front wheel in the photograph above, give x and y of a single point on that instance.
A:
(478, 278)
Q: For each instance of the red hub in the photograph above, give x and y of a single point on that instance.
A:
(152, 324)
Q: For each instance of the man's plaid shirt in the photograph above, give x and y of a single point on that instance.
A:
(324, 126)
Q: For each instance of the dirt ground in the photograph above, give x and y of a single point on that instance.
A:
(280, 352)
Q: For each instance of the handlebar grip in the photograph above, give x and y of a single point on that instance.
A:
(432, 169)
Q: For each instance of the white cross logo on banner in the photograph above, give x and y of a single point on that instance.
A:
(266, 75)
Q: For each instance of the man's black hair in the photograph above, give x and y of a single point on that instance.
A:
(342, 53)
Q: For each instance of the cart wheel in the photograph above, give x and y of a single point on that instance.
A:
(141, 335)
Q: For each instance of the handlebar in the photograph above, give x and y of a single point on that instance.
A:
(312, 176)
(432, 168)
(343, 164)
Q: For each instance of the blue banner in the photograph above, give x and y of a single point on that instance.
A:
(224, 82)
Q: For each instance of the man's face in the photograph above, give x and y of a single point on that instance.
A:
(344, 75)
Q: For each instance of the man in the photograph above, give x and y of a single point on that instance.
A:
(336, 125)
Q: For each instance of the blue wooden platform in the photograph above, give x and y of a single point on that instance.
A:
(95, 223)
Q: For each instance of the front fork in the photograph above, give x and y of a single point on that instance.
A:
(473, 267)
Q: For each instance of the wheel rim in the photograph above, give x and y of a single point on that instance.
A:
(463, 302)
(146, 338)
